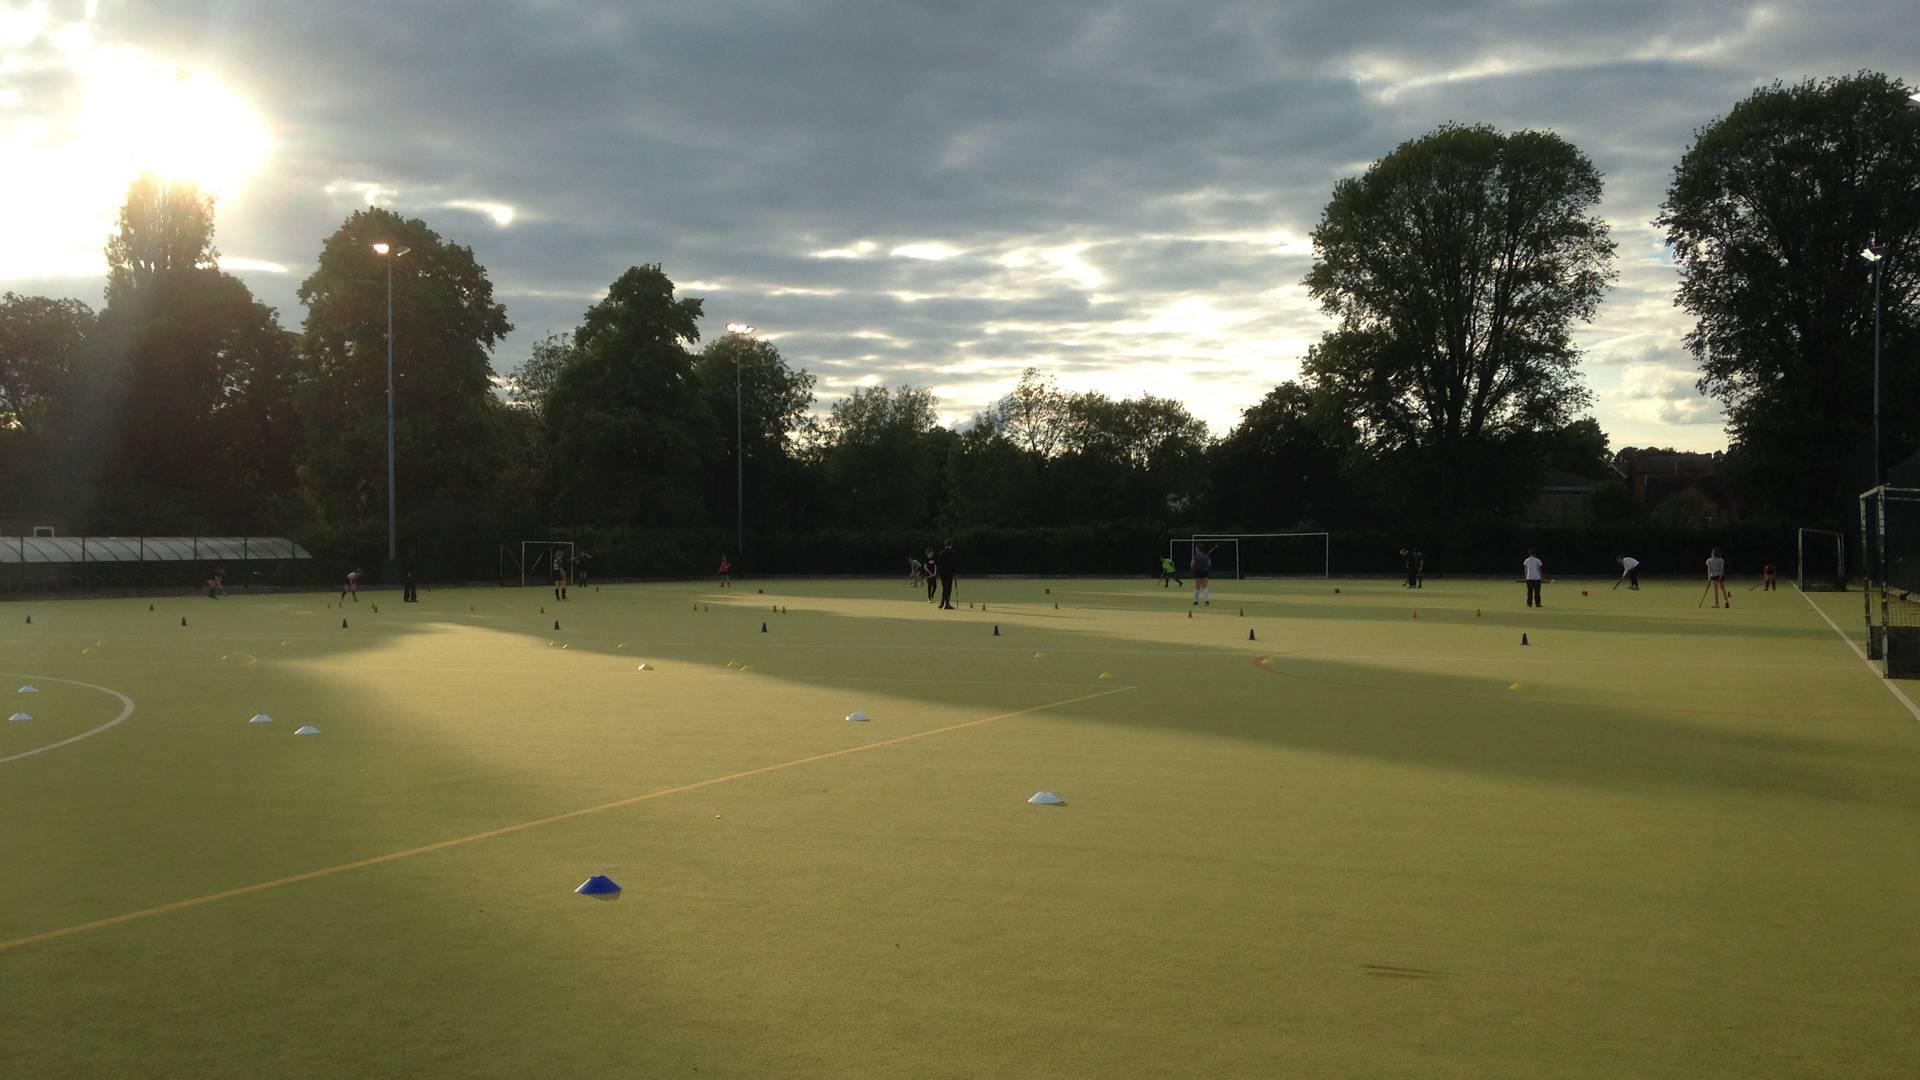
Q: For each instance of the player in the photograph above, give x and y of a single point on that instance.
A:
(1419, 565)
(1168, 573)
(559, 580)
(1629, 572)
(932, 570)
(916, 571)
(1717, 579)
(726, 571)
(352, 587)
(1769, 575)
(1406, 557)
(216, 584)
(949, 566)
(1532, 565)
(1200, 565)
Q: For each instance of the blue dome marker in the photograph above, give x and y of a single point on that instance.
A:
(598, 885)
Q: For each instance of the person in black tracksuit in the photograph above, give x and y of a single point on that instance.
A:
(947, 567)
(933, 574)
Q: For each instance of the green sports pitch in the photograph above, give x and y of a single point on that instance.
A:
(1316, 829)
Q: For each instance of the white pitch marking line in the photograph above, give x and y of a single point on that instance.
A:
(1884, 681)
(125, 711)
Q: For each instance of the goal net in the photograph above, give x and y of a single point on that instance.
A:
(534, 560)
(1890, 542)
(1265, 555)
(1823, 561)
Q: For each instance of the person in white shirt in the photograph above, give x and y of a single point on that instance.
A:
(1717, 579)
(1533, 579)
(1629, 571)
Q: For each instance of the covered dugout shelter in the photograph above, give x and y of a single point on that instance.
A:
(78, 563)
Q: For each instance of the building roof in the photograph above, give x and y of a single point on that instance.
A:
(101, 549)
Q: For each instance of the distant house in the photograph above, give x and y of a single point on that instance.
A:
(1561, 498)
(1656, 476)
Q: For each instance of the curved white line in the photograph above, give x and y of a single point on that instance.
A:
(125, 711)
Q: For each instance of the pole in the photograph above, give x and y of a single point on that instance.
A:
(1877, 479)
(393, 545)
(739, 470)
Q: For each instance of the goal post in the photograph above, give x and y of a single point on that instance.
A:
(535, 558)
(1822, 555)
(1890, 550)
(1265, 555)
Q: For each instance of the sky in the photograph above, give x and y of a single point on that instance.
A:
(932, 192)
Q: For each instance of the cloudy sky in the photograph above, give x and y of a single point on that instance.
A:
(899, 191)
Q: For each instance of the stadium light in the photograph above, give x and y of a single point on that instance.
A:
(393, 541)
(1876, 259)
(739, 453)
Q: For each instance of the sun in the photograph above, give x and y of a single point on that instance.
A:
(144, 115)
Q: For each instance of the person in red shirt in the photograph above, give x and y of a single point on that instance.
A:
(1767, 575)
(559, 580)
(726, 570)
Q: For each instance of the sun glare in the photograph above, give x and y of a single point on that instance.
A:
(69, 168)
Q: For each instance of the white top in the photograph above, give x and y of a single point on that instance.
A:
(1716, 567)
(1627, 563)
(1533, 567)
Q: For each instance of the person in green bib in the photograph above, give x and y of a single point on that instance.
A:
(1168, 573)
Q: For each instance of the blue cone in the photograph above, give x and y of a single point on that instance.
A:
(598, 885)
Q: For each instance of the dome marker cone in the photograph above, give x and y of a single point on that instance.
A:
(183, 619)
(343, 624)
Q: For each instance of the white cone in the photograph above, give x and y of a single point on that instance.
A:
(857, 717)
(1047, 798)
(261, 718)
(28, 690)
(19, 716)
(308, 730)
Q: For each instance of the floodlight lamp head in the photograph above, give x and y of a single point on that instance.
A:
(1871, 254)
(739, 328)
(380, 249)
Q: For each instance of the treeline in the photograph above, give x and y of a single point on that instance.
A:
(1456, 271)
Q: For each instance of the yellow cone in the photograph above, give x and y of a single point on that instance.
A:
(733, 663)
(1039, 656)
(1518, 686)
(1106, 674)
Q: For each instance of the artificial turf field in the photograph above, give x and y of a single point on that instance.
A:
(1658, 841)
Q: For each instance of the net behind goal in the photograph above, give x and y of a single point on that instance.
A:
(1266, 555)
(1890, 542)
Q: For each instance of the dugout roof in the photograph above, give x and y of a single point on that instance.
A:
(104, 549)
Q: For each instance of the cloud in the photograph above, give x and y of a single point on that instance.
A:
(1122, 194)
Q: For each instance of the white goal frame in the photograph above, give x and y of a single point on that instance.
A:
(1239, 564)
(1820, 537)
(520, 558)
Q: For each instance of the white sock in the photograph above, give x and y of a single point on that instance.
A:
(1196, 594)
(1207, 595)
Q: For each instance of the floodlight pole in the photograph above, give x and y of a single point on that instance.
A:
(739, 454)
(393, 255)
(1876, 370)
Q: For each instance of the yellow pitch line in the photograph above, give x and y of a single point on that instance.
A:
(310, 875)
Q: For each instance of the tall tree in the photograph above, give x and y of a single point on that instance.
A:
(1457, 267)
(164, 226)
(446, 325)
(1281, 466)
(1767, 214)
(630, 434)
(884, 461)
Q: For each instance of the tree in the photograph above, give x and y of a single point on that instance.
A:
(1281, 466)
(1457, 267)
(1766, 214)
(631, 436)
(883, 458)
(164, 226)
(39, 339)
(446, 325)
(530, 386)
